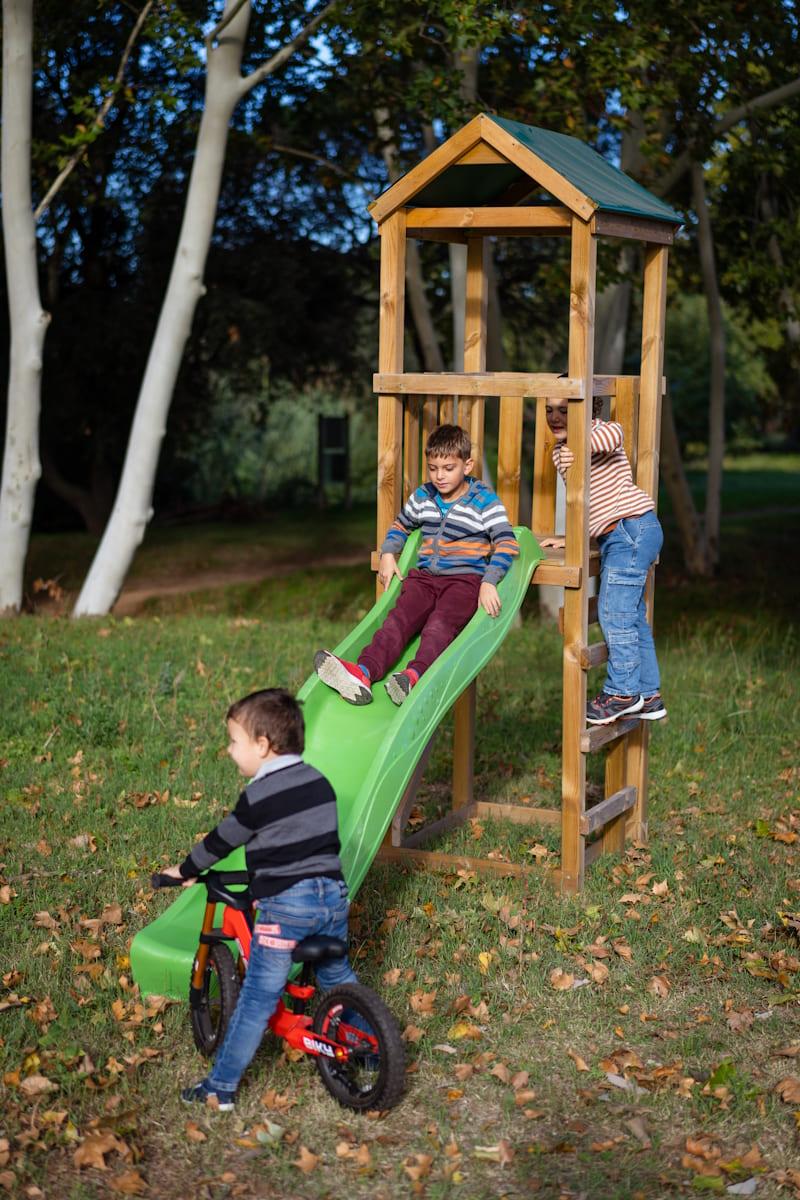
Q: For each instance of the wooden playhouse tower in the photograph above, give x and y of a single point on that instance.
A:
(500, 178)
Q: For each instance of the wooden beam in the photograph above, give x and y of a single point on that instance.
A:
(482, 154)
(592, 656)
(411, 462)
(545, 175)
(509, 454)
(544, 475)
(426, 171)
(390, 359)
(490, 383)
(583, 276)
(464, 746)
(616, 762)
(625, 410)
(452, 820)
(598, 816)
(517, 814)
(591, 617)
(491, 220)
(639, 228)
(431, 860)
(597, 736)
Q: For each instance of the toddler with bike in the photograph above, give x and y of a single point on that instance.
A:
(286, 819)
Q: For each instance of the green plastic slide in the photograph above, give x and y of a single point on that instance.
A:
(369, 754)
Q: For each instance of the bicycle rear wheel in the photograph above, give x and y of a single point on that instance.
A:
(218, 997)
(374, 1074)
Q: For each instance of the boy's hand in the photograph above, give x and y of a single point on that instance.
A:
(174, 873)
(567, 457)
(387, 569)
(489, 599)
(554, 543)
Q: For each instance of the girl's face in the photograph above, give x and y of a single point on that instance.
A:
(556, 414)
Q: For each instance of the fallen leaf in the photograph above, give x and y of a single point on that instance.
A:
(412, 1033)
(580, 1063)
(639, 1131)
(501, 1153)
(561, 980)
(659, 986)
(788, 1089)
(422, 1003)
(37, 1085)
(418, 1166)
(194, 1133)
(129, 1183)
(94, 1148)
(598, 972)
(307, 1161)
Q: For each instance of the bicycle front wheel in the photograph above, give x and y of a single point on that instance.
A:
(374, 1074)
(218, 997)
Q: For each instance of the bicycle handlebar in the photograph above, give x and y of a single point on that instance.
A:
(218, 877)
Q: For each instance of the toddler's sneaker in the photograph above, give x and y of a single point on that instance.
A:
(653, 708)
(400, 684)
(346, 678)
(201, 1093)
(606, 708)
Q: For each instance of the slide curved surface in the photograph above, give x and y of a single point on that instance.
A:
(369, 754)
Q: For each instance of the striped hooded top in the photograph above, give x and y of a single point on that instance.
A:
(472, 536)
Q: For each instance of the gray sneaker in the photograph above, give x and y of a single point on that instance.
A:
(652, 709)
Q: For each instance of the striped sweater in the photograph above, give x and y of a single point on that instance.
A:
(472, 537)
(612, 493)
(287, 821)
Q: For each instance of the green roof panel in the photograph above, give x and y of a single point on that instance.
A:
(484, 183)
(610, 189)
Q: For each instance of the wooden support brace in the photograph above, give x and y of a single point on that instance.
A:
(601, 735)
(599, 816)
(592, 656)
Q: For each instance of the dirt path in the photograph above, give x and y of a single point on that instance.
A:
(134, 595)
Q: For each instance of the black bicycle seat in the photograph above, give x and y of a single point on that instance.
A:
(317, 947)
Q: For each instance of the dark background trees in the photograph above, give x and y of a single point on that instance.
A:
(291, 278)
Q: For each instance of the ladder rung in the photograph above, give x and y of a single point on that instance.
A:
(600, 735)
(595, 818)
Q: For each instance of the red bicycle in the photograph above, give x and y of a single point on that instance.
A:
(352, 1036)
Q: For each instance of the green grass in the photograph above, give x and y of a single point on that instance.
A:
(112, 763)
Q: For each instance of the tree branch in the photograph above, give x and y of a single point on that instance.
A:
(99, 119)
(684, 160)
(271, 65)
(317, 158)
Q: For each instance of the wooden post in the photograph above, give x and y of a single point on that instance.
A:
(470, 417)
(430, 419)
(613, 835)
(411, 446)
(654, 308)
(583, 272)
(625, 412)
(509, 454)
(471, 409)
(544, 475)
(390, 358)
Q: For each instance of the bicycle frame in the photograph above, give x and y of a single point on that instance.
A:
(292, 1024)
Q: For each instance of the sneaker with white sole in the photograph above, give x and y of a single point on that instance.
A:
(653, 708)
(606, 708)
(344, 677)
(201, 1093)
(398, 685)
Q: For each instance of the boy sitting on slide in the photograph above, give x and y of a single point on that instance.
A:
(467, 547)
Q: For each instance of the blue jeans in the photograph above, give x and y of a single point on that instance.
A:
(311, 906)
(626, 556)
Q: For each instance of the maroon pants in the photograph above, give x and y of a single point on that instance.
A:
(437, 605)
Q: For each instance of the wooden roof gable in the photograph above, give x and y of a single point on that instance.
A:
(490, 155)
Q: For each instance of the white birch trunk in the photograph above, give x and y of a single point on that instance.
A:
(28, 321)
(133, 505)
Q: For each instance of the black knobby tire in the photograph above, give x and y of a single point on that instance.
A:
(366, 1081)
(219, 994)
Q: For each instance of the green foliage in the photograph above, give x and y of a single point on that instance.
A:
(258, 443)
(750, 390)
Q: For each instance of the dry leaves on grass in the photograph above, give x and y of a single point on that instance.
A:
(306, 1161)
(788, 1089)
(129, 1183)
(94, 1148)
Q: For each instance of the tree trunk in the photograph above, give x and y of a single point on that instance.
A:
(716, 399)
(28, 321)
(133, 505)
